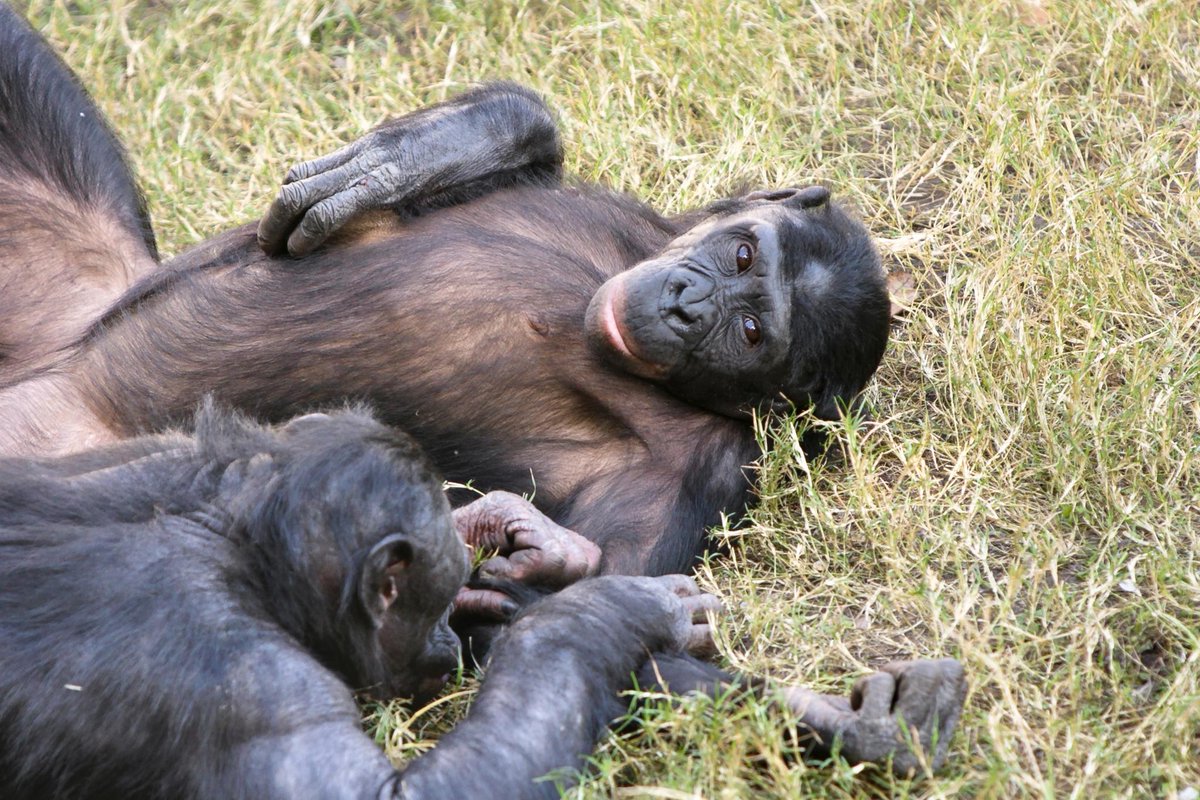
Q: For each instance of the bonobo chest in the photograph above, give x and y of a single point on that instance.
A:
(491, 370)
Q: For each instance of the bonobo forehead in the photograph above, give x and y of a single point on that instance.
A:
(749, 214)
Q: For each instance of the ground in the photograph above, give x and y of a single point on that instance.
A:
(1026, 493)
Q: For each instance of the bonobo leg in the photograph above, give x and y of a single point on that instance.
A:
(495, 136)
(906, 712)
(74, 231)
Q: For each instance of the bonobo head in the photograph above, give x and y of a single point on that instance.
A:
(778, 294)
(355, 549)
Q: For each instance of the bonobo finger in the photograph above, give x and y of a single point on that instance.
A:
(482, 523)
(297, 197)
(824, 714)
(324, 163)
(700, 605)
(700, 642)
(331, 214)
(679, 585)
(553, 566)
(525, 566)
(557, 561)
(484, 604)
(586, 556)
(872, 695)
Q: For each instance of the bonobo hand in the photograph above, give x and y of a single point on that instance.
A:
(318, 197)
(692, 632)
(888, 713)
(497, 133)
(633, 615)
(529, 546)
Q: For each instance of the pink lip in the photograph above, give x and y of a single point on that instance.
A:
(612, 332)
(608, 319)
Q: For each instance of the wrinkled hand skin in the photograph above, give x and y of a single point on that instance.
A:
(496, 134)
(668, 613)
(907, 712)
(530, 548)
(692, 629)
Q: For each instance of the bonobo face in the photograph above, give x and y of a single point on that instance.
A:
(777, 295)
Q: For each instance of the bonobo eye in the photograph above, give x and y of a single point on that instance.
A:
(751, 330)
(745, 257)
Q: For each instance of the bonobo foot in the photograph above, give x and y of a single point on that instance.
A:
(906, 712)
(526, 546)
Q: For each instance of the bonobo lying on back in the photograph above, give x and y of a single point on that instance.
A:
(565, 342)
(210, 650)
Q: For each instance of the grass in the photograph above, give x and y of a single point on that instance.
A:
(1027, 496)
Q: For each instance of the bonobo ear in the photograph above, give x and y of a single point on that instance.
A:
(808, 197)
(384, 565)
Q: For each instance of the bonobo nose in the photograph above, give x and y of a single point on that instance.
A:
(687, 300)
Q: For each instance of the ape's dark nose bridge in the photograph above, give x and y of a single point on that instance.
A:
(687, 295)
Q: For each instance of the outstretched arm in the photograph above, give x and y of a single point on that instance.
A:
(498, 135)
(552, 686)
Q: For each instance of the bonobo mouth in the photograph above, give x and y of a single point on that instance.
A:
(428, 688)
(610, 314)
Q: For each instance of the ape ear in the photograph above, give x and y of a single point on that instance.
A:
(773, 195)
(808, 197)
(383, 568)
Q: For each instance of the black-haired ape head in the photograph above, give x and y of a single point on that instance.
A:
(358, 555)
(777, 294)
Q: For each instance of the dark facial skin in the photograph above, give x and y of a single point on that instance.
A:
(720, 316)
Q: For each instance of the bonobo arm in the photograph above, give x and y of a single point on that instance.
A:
(552, 687)
(651, 516)
(906, 712)
(497, 135)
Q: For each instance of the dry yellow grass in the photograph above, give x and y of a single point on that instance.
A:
(1027, 497)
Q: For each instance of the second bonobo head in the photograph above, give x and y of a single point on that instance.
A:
(355, 544)
(771, 297)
